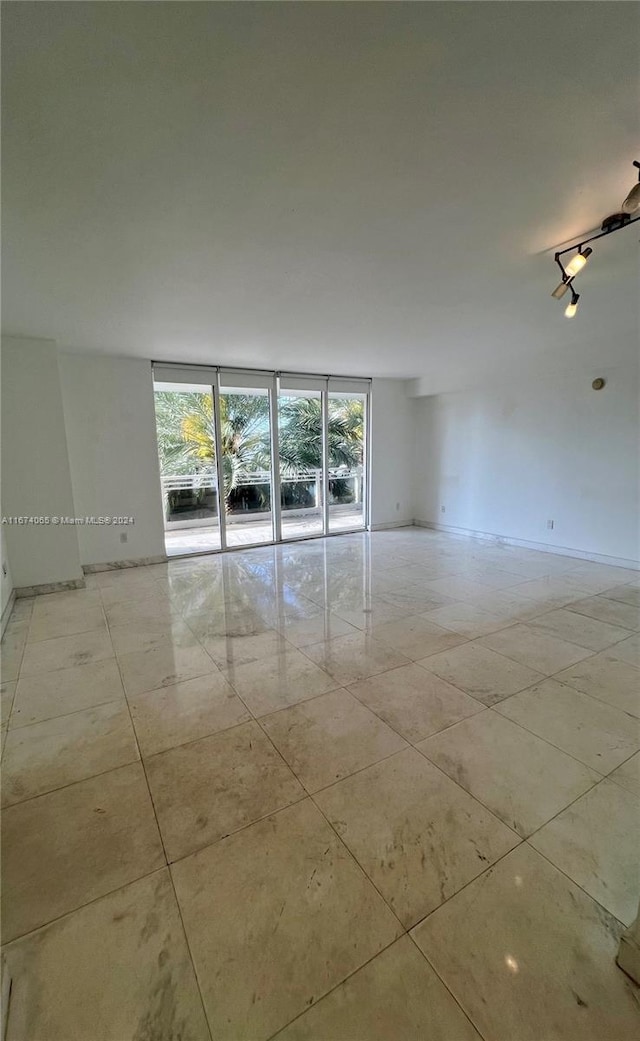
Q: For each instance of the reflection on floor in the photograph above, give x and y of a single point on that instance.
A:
(370, 787)
(207, 539)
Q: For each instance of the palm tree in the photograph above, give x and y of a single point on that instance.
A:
(186, 434)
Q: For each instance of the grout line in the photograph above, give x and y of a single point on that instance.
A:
(164, 850)
(578, 885)
(444, 983)
(336, 987)
(81, 907)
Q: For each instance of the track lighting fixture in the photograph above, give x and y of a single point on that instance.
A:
(629, 214)
(571, 308)
(578, 261)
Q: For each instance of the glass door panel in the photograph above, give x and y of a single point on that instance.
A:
(246, 464)
(186, 448)
(346, 451)
(300, 448)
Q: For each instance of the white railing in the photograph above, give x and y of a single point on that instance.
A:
(209, 479)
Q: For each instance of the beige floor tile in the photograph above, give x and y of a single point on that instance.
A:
(484, 674)
(521, 778)
(595, 733)
(163, 667)
(417, 835)
(509, 606)
(468, 619)
(596, 842)
(330, 737)
(370, 612)
(414, 702)
(628, 650)
(184, 712)
(68, 847)
(395, 996)
(278, 681)
(66, 623)
(129, 592)
(234, 619)
(156, 609)
(123, 577)
(7, 695)
(294, 917)
(530, 956)
(23, 607)
(49, 694)
(589, 571)
(11, 652)
(214, 786)
(551, 590)
(151, 634)
(229, 651)
(628, 775)
(53, 604)
(416, 637)
(415, 599)
(325, 626)
(350, 658)
(60, 751)
(626, 594)
(534, 648)
(579, 629)
(458, 588)
(66, 652)
(607, 678)
(118, 968)
(612, 611)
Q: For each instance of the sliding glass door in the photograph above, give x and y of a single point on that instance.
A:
(185, 428)
(347, 486)
(245, 430)
(248, 458)
(302, 485)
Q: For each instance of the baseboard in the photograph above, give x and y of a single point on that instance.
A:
(542, 547)
(387, 525)
(50, 587)
(117, 565)
(6, 614)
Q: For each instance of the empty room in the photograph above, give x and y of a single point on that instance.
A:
(320, 490)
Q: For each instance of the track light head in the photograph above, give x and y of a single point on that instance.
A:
(560, 290)
(631, 204)
(578, 261)
(572, 307)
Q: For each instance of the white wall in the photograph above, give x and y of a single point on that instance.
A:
(113, 454)
(35, 466)
(6, 578)
(506, 460)
(391, 462)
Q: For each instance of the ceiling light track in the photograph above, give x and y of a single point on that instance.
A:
(582, 250)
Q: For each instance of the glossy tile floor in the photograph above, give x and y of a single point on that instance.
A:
(205, 539)
(367, 788)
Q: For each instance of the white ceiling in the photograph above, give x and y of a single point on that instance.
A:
(347, 188)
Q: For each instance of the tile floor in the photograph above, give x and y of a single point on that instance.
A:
(369, 788)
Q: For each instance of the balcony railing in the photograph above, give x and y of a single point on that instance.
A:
(191, 499)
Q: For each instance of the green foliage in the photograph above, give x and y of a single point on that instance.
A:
(186, 434)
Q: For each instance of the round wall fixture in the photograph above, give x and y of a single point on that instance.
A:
(599, 383)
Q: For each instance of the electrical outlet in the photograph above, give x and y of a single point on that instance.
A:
(550, 525)
(124, 537)
(443, 509)
(397, 506)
